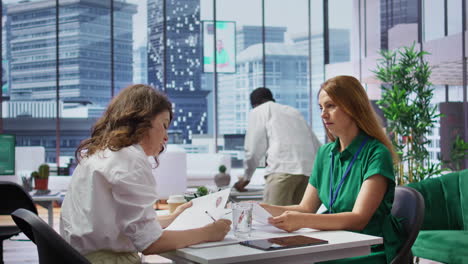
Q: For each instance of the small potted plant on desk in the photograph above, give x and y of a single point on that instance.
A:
(222, 179)
(201, 191)
(41, 178)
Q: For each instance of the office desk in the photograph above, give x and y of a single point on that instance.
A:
(47, 201)
(342, 244)
(254, 192)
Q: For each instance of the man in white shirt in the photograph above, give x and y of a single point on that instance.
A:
(280, 133)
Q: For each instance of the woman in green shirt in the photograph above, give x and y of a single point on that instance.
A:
(352, 176)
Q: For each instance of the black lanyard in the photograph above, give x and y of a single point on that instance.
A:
(333, 195)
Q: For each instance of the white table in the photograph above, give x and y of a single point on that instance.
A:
(47, 201)
(254, 192)
(342, 244)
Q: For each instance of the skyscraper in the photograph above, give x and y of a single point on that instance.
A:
(84, 47)
(286, 76)
(84, 64)
(249, 35)
(5, 63)
(180, 53)
(394, 12)
(140, 65)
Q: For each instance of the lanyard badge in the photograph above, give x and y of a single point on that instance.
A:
(334, 194)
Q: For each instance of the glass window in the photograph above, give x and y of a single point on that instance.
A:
(286, 53)
(454, 16)
(398, 23)
(339, 30)
(85, 69)
(173, 59)
(444, 58)
(438, 94)
(127, 41)
(29, 69)
(234, 88)
(175, 65)
(318, 67)
(434, 135)
(433, 19)
(455, 93)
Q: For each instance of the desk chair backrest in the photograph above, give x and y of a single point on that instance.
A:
(409, 205)
(12, 197)
(51, 247)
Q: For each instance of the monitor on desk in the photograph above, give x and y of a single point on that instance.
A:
(7, 154)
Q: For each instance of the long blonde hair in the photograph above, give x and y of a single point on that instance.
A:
(348, 93)
(126, 120)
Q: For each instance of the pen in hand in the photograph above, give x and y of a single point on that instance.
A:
(206, 212)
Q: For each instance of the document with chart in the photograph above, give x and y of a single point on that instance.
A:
(204, 209)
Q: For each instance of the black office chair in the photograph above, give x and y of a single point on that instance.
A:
(409, 205)
(51, 247)
(13, 197)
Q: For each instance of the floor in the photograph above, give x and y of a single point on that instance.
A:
(19, 250)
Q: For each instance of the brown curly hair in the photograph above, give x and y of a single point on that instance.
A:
(126, 120)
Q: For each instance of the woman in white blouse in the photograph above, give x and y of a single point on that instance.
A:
(108, 213)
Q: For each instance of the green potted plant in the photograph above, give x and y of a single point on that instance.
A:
(202, 191)
(41, 178)
(406, 104)
(222, 178)
(458, 153)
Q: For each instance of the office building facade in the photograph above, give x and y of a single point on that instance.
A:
(84, 55)
(84, 50)
(174, 62)
(396, 12)
(286, 76)
(140, 65)
(248, 35)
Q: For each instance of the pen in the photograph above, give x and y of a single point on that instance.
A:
(206, 212)
(227, 213)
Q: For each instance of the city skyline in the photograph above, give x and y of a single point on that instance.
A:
(354, 52)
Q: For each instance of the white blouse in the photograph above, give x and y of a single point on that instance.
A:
(109, 203)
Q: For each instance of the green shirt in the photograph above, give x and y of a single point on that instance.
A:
(373, 159)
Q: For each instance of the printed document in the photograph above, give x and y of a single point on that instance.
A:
(259, 214)
(195, 216)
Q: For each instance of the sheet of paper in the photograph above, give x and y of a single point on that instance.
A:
(260, 215)
(195, 216)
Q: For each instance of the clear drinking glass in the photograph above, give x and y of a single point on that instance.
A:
(242, 219)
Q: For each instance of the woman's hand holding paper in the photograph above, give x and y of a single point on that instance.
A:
(181, 208)
(289, 221)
